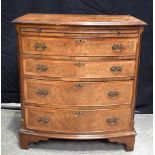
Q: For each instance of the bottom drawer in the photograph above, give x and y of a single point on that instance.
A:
(76, 120)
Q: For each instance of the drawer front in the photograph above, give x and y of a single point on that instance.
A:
(76, 120)
(77, 93)
(75, 69)
(79, 47)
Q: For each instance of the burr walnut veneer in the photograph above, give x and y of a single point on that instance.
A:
(78, 76)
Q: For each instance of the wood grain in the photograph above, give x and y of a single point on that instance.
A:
(78, 76)
(79, 121)
(66, 19)
(79, 47)
(78, 69)
(77, 93)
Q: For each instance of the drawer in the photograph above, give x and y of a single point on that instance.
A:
(76, 69)
(77, 93)
(76, 120)
(79, 47)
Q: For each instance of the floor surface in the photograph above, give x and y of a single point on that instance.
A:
(10, 122)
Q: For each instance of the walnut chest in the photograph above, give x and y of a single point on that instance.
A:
(78, 76)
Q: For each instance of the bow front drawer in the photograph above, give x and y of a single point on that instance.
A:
(79, 47)
(77, 93)
(76, 120)
(77, 69)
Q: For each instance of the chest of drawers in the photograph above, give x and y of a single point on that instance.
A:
(78, 76)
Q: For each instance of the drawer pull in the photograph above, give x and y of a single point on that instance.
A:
(79, 85)
(41, 68)
(117, 47)
(81, 41)
(116, 69)
(42, 92)
(112, 121)
(79, 64)
(113, 93)
(43, 120)
(78, 113)
(40, 46)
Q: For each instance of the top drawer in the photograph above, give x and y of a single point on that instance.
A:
(79, 47)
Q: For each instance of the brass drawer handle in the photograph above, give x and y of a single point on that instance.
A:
(43, 120)
(79, 64)
(113, 93)
(81, 41)
(112, 121)
(39, 46)
(79, 85)
(78, 114)
(117, 47)
(116, 69)
(41, 92)
(41, 67)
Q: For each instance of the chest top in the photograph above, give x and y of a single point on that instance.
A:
(77, 19)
